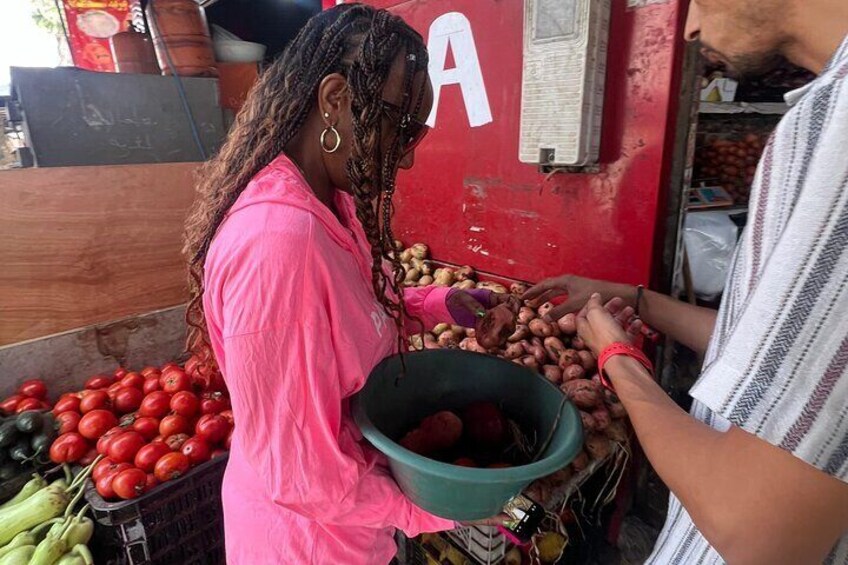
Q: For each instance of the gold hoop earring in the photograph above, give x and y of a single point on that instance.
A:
(324, 136)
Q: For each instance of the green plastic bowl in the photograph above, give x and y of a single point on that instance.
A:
(447, 379)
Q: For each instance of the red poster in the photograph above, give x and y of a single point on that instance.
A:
(90, 25)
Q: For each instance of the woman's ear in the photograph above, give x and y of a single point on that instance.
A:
(332, 98)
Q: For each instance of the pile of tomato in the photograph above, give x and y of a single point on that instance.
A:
(31, 395)
(150, 426)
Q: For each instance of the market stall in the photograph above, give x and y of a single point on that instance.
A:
(526, 174)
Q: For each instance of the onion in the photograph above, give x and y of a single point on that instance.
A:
(526, 315)
(420, 251)
(552, 373)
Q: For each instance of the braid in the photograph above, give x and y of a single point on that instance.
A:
(371, 173)
(351, 39)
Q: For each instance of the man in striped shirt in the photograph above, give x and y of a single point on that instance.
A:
(758, 470)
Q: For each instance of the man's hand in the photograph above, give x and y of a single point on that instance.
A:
(578, 290)
(602, 325)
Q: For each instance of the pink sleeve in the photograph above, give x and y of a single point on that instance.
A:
(428, 304)
(284, 366)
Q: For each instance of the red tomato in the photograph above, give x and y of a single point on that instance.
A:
(151, 385)
(229, 441)
(196, 450)
(113, 389)
(68, 448)
(102, 467)
(104, 485)
(228, 415)
(212, 427)
(157, 404)
(148, 455)
(95, 400)
(147, 371)
(175, 380)
(151, 482)
(120, 372)
(33, 388)
(218, 453)
(127, 420)
(171, 466)
(214, 403)
(99, 381)
(66, 404)
(67, 422)
(29, 404)
(96, 423)
(174, 424)
(128, 399)
(106, 439)
(185, 403)
(147, 427)
(158, 439)
(133, 380)
(176, 441)
(129, 483)
(124, 447)
(9, 405)
(169, 366)
(89, 457)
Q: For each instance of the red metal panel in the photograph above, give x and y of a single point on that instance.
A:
(473, 202)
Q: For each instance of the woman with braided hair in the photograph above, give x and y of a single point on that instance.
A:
(296, 289)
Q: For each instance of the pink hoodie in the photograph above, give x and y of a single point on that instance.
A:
(296, 329)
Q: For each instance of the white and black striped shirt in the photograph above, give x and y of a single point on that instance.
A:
(777, 365)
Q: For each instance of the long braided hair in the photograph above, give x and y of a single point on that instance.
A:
(362, 44)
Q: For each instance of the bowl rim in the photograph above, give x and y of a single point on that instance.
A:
(541, 468)
(239, 43)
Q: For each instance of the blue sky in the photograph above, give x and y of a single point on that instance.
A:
(22, 43)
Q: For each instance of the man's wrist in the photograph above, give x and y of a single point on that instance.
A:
(620, 365)
(626, 292)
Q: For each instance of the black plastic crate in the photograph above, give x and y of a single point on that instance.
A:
(180, 521)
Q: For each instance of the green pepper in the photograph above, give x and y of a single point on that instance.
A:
(20, 540)
(18, 556)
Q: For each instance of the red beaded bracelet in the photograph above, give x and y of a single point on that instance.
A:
(620, 349)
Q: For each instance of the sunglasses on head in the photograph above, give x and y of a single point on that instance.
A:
(412, 130)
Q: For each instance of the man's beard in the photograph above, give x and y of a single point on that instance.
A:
(748, 65)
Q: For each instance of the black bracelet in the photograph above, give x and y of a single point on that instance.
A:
(640, 290)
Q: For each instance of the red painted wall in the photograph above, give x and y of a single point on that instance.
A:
(473, 202)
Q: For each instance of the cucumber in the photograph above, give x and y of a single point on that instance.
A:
(8, 433)
(21, 451)
(30, 422)
(9, 470)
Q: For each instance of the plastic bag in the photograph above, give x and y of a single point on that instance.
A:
(710, 240)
